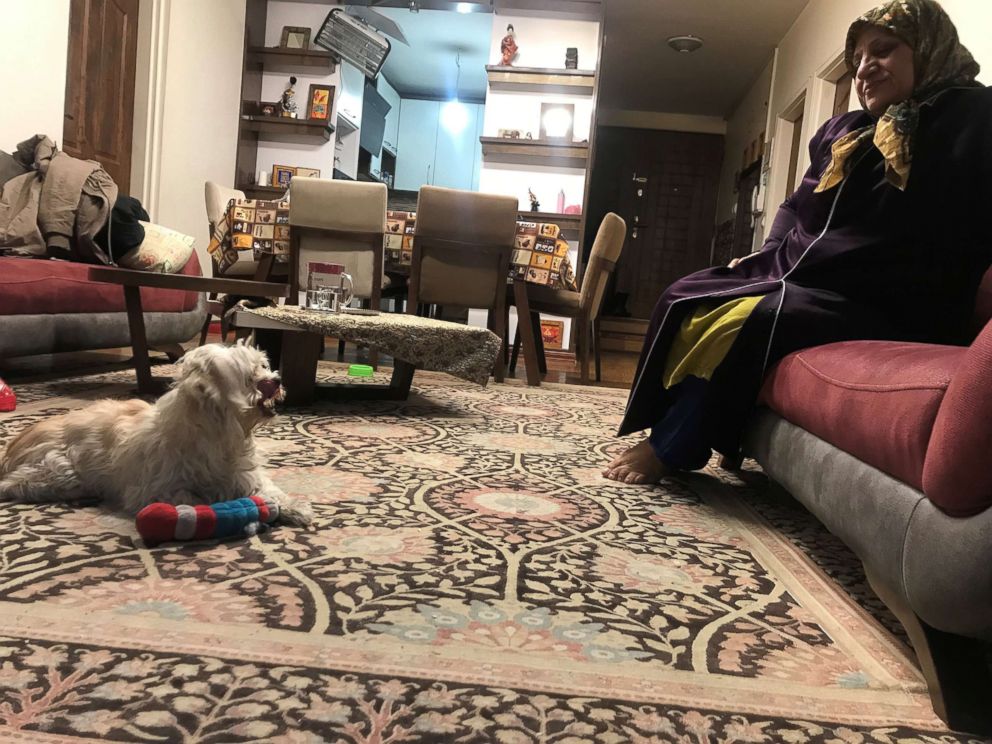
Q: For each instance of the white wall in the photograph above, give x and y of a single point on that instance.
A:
(200, 110)
(744, 125)
(310, 15)
(32, 69)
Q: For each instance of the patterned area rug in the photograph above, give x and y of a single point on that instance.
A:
(471, 578)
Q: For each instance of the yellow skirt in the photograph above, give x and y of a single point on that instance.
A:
(704, 339)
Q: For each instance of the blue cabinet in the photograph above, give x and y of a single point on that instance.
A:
(436, 147)
(454, 156)
(417, 143)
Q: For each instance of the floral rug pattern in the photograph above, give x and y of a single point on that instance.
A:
(470, 578)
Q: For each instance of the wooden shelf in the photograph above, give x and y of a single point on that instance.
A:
(306, 62)
(567, 222)
(534, 152)
(254, 191)
(541, 80)
(284, 129)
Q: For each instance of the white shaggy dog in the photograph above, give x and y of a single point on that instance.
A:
(193, 446)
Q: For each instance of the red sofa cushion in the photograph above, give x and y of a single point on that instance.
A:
(957, 476)
(31, 286)
(876, 400)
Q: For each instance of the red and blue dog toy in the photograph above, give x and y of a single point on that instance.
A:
(160, 522)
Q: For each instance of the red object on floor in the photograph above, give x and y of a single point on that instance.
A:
(8, 401)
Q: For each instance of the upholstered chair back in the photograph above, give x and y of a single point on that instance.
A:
(602, 260)
(460, 237)
(339, 222)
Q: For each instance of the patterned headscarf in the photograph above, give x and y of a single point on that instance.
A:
(940, 61)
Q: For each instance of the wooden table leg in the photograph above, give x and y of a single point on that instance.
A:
(402, 379)
(526, 330)
(542, 361)
(298, 366)
(139, 342)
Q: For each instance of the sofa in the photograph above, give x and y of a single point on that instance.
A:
(51, 306)
(886, 444)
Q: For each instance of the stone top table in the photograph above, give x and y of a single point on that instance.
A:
(413, 342)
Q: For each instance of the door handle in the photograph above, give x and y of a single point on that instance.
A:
(642, 179)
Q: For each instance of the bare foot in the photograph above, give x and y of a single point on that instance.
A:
(638, 465)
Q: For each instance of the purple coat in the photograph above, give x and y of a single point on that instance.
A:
(860, 261)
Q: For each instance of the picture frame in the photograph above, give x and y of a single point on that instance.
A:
(552, 334)
(268, 108)
(308, 172)
(282, 175)
(295, 37)
(320, 102)
(557, 122)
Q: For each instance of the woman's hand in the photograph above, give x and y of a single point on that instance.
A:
(735, 261)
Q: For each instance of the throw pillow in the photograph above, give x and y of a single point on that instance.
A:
(251, 228)
(163, 250)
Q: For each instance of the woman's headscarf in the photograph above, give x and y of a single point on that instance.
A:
(940, 61)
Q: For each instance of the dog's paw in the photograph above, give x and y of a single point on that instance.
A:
(297, 512)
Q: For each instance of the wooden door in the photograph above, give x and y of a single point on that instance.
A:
(99, 86)
(673, 208)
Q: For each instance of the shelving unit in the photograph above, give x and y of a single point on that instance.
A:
(541, 80)
(534, 152)
(569, 223)
(254, 191)
(275, 59)
(282, 129)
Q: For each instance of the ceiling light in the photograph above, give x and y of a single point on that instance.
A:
(464, 7)
(687, 43)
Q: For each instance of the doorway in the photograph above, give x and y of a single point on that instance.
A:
(664, 184)
(99, 87)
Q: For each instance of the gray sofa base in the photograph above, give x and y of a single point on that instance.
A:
(932, 570)
(25, 335)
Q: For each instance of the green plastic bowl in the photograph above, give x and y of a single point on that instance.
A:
(360, 370)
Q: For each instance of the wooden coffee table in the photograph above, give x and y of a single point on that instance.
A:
(133, 281)
(300, 352)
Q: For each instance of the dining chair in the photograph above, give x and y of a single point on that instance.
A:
(342, 222)
(462, 245)
(584, 305)
(217, 200)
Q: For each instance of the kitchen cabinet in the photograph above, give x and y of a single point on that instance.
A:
(429, 152)
(390, 136)
(454, 156)
(352, 93)
(417, 143)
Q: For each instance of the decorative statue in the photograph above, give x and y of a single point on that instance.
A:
(535, 205)
(508, 47)
(287, 104)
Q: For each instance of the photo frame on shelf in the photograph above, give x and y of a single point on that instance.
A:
(282, 175)
(268, 108)
(308, 172)
(557, 121)
(320, 102)
(295, 37)
(552, 334)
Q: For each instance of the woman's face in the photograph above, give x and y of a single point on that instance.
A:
(883, 69)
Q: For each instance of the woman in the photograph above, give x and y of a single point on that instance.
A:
(886, 238)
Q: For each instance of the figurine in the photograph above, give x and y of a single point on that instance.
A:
(287, 104)
(535, 205)
(508, 47)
